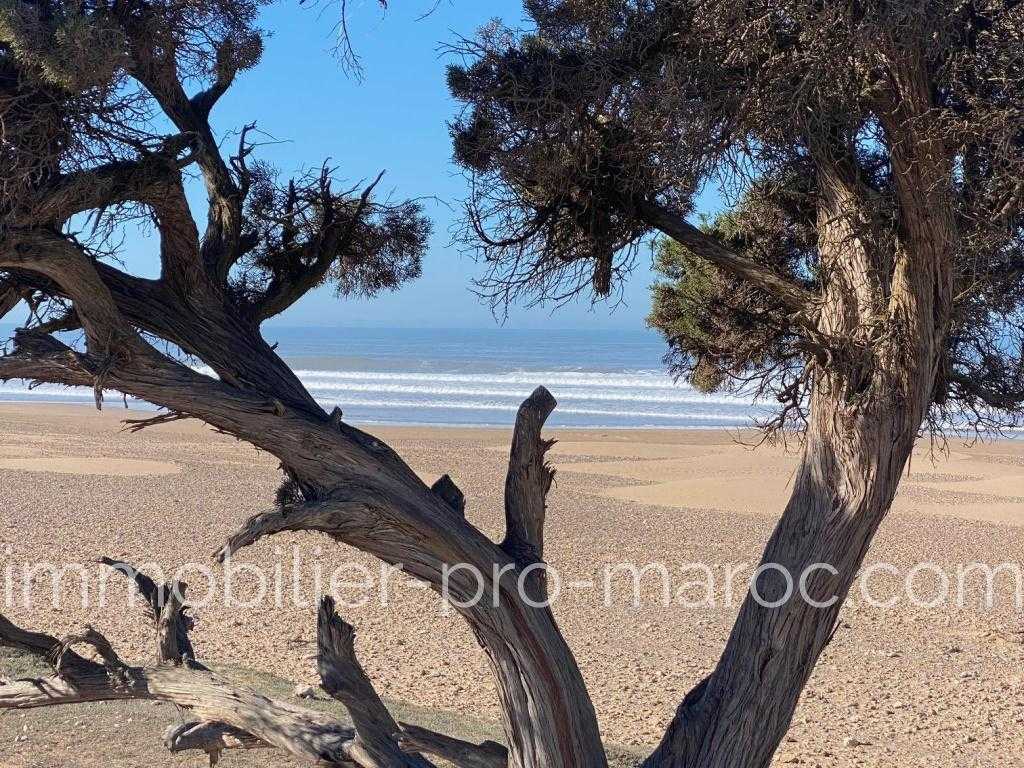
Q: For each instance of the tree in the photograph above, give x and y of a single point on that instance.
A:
(868, 272)
(105, 107)
(884, 142)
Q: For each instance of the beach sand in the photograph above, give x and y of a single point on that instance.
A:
(899, 686)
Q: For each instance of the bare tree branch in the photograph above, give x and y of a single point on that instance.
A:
(223, 716)
(157, 69)
(213, 738)
(328, 516)
(459, 753)
(143, 180)
(528, 480)
(304, 733)
(446, 488)
(167, 611)
(462, 754)
(344, 679)
(10, 297)
(58, 259)
(799, 300)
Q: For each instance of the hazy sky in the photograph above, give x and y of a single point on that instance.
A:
(395, 119)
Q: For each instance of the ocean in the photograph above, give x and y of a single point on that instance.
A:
(601, 378)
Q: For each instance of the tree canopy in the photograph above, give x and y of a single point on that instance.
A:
(593, 129)
(107, 111)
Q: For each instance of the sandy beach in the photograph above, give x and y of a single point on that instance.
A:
(904, 685)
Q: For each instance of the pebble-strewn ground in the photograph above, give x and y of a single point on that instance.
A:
(902, 686)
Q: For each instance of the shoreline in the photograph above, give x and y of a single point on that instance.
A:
(398, 424)
(1010, 436)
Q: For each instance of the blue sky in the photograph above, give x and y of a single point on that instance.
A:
(394, 119)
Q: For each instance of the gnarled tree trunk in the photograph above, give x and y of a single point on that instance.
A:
(866, 413)
(874, 334)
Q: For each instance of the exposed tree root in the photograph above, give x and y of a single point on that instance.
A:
(224, 716)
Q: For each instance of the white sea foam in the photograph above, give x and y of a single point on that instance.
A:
(458, 405)
(648, 379)
(586, 398)
(458, 388)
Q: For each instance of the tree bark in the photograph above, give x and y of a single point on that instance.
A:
(548, 717)
(227, 717)
(887, 304)
(740, 715)
(866, 414)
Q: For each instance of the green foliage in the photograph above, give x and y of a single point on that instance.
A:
(721, 330)
(593, 111)
(65, 47)
(682, 310)
(553, 172)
